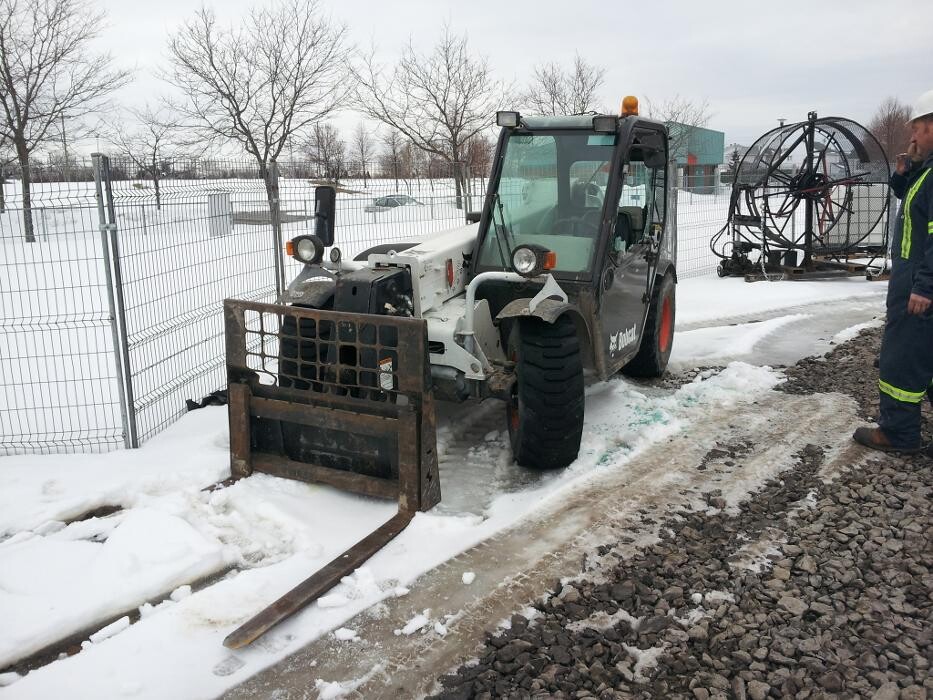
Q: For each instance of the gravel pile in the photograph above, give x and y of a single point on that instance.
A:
(810, 591)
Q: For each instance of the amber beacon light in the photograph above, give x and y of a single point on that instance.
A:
(629, 106)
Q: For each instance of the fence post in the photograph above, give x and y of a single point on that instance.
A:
(464, 186)
(105, 213)
(272, 189)
(672, 210)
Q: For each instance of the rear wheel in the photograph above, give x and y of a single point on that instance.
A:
(545, 413)
(658, 337)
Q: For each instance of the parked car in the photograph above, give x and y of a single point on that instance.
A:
(392, 201)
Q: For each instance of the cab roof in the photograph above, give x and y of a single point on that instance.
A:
(577, 121)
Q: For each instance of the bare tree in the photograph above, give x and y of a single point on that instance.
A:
(391, 159)
(438, 101)
(47, 75)
(479, 154)
(144, 142)
(327, 151)
(282, 70)
(889, 126)
(554, 91)
(363, 150)
(683, 117)
(7, 156)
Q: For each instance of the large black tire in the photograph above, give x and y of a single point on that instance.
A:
(658, 337)
(545, 413)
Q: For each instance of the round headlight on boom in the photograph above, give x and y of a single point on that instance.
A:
(306, 248)
(524, 260)
(532, 260)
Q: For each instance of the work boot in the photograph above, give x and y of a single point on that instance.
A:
(877, 440)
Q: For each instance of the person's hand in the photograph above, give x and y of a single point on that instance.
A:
(900, 164)
(918, 305)
(913, 154)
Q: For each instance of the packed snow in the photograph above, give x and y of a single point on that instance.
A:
(345, 635)
(852, 331)
(159, 583)
(705, 345)
(415, 624)
(710, 298)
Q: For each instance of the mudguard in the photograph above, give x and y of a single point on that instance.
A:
(664, 267)
(548, 310)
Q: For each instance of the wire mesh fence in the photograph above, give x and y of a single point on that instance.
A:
(112, 318)
(180, 254)
(59, 385)
(701, 211)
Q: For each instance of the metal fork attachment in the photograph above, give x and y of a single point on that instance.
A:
(334, 398)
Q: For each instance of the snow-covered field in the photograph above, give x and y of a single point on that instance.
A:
(123, 579)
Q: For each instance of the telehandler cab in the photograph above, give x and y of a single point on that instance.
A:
(570, 266)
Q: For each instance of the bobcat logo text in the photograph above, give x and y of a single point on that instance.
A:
(621, 340)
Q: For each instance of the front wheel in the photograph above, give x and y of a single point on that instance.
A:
(545, 412)
(658, 336)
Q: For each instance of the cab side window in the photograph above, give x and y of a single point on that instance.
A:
(642, 202)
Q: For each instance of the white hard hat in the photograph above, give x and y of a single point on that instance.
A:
(923, 106)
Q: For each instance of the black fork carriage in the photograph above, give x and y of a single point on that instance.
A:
(335, 398)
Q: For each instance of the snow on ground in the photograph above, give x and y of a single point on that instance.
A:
(852, 331)
(272, 533)
(705, 299)
(313, 524)
(706, 345)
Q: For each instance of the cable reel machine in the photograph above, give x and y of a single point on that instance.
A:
(807, 197)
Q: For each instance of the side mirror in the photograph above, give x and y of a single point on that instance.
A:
(325, 205)
(655, 159)
(473, 217)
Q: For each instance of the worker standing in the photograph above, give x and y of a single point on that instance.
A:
(906, 362)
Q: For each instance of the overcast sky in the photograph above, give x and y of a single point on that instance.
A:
(753, 62)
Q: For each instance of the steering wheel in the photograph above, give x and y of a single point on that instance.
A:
(570, 223)
(590, 222)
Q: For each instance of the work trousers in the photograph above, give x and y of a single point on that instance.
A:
(906, 362)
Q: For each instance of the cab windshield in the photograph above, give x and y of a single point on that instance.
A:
(551, 193)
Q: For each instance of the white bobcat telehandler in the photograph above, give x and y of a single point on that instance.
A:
(570, 266)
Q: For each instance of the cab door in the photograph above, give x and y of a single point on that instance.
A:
(640, 207)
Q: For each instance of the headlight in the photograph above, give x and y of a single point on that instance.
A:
(532, 260)
(306, 249)
(524, 260)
